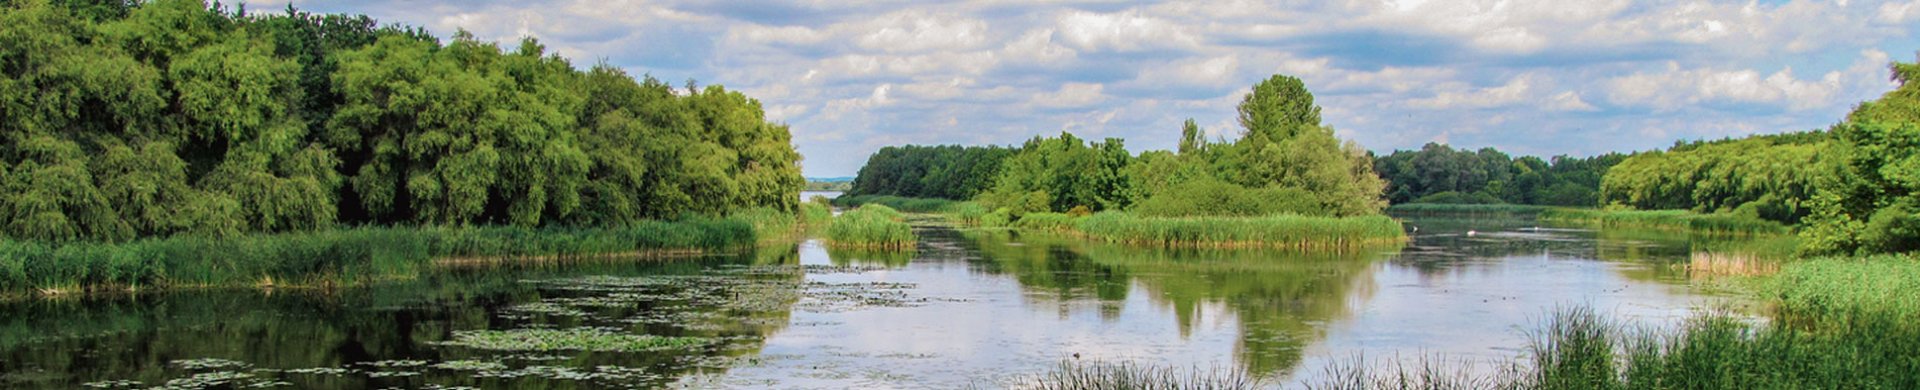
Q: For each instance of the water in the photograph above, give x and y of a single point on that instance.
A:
(970, 308)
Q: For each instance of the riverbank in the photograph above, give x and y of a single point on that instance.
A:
(353, 256)
(1670, 220)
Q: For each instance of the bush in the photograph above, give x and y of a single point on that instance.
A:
(1209, 197)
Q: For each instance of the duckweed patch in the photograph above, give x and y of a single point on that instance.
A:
(571, 339)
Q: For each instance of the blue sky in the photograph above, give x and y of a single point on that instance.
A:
(1529, 77)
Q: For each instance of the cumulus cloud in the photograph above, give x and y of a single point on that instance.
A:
(849, 77)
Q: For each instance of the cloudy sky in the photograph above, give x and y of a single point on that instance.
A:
(1530, 77)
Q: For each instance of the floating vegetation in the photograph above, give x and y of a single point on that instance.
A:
(336, 371)
(111, 384)
(209, 364)
(572, 339)
(470, 365)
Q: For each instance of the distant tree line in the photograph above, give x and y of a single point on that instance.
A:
(1438, 173)
(946, 171)
(124, 120)
(1284, 162)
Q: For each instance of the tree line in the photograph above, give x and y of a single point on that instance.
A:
(125, 120)
(1284, 162)
(1437, 173)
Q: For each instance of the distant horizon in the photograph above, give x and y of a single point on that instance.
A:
(1541, 79)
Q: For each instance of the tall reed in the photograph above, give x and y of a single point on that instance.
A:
(1279, 231)
(1675, 220)
(872, 226)
(342, 256)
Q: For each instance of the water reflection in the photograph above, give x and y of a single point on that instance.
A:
(968, 307)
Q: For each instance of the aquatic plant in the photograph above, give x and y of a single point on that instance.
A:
(344, 256)
(1054, 222)
(1127, 375)
(872, 226)
(571, 339)
(911, 205)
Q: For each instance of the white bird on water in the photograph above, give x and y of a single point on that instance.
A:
(1470, 233)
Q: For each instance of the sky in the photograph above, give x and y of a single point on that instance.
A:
(1527, 77)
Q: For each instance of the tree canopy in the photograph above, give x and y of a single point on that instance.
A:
(125, 120)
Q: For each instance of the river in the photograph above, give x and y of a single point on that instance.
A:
(970, 308)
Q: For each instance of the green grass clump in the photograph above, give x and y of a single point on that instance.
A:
(816, 212)
(1000, 218)
(1053, 222)
(342, 256)
(1675, 220)
(1120, 376)
(574, 339)
(872, 226)
(967, 213)
(1467, 209)
(1280, 231)
(1849, 290)
(911, 205)
(1581, 349)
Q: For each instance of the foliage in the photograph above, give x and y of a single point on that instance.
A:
(1871, 201)
(816, 212)
(153, 119)
(872, 226)
(1058, 174)
(946, 171)
(1479, 175)
(1450, 197)
(1768, 176)
(1208, 196)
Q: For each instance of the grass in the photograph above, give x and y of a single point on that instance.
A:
(872, 226)
(816, 212)
(1120, 376)
(1672, 220)
(349, 256)
(1468, 209)
(1052, 222)
(905, 204)
(1279, 231)
(1842, 323)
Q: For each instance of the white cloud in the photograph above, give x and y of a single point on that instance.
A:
(1515, 91)
(1123, 32)
(1569, 101)
(1677, 87)
(1071, 95)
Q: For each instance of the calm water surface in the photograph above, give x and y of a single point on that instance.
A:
(969, 308)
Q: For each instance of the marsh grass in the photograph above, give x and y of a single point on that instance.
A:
(1125, 376)
(1279, 231)
(905, 204)
(1465, 209)
(816, 212)
(1671, 220)
(1578, 348)
(1049, 222)
(872, 226)
(1707, 264)
(346, 256)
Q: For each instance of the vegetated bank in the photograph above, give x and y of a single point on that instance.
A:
(1285, 182)
(168, 127)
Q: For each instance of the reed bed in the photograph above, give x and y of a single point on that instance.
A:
(1126, 376)
(1706, 264)
(872, 226)
(1050, 222)
(1465, 209)
(1673, 220)
(1279, 231)
(343, 256)
(816, 212)
(911, 205)
(1843, 324)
